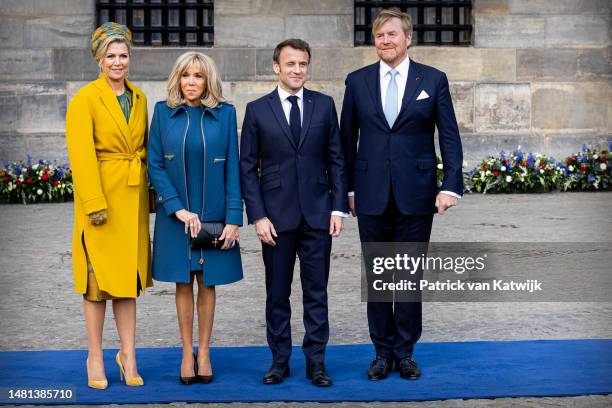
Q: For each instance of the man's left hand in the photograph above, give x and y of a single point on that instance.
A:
(444, 202)
(335, 225)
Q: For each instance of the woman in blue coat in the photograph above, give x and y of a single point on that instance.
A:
(193, 166)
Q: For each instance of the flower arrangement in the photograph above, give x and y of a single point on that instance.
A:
(29, 182)
(520, 172)
(516, 173)
(588, 170)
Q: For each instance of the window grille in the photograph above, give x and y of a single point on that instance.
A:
(435, 22)
(162, 22)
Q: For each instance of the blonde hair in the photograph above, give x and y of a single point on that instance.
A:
(101, 51)
(213, 93)
(387, 14)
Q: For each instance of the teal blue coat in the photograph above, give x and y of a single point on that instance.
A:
(222, 199)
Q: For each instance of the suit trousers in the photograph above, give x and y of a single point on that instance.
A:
(313, 247)
(394, 326)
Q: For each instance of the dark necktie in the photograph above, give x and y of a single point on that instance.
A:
(294, 119)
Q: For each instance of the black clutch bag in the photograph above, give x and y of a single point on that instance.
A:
(208, 238)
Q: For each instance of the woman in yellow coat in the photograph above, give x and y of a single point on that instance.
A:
(106, 128)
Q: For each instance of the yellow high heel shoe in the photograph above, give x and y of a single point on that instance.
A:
(97, 384)
(131, 381)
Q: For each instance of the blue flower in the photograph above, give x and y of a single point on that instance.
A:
(591, 179)
(519, 155)
(530, 159)
(502, 155)
(585, 148)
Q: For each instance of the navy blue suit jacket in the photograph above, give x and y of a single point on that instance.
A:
(285, 182)
(402, 157)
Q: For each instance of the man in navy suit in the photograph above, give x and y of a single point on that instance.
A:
(390, 111)
(294, 187)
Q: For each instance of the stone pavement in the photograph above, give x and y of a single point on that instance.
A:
(40, 311)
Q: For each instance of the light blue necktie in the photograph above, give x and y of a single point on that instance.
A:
(391, 110)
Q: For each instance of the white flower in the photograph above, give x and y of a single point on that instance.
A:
(508, 179)
(595, 156)
(39, 191)
(541, 171)
(440, 166)
(603, 166)
(35, 166)
(488, 173)
(63, 185)
(503, 168)
(570, 168)
(465, 164)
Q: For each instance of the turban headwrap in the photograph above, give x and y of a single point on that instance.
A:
(108, 30)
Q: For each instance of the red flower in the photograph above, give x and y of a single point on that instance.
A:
(541, 165)
(603, 159)
(496, 173)
(6, 179)
(484, 168)
(55, 183)
(583, 168)
(19, 184)
(46, 170)
(29, 180)
(45, 177)
(570, 160)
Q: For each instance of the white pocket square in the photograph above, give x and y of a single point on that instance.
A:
(422, 95)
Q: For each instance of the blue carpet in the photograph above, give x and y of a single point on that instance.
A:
(450, 370)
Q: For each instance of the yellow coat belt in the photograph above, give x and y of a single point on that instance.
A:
(135, 159)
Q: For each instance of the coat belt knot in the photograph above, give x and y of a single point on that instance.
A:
(135, 159)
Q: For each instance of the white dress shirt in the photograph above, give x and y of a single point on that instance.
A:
(284, 95)
(400, 79)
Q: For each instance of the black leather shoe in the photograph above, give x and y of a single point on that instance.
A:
(407, 368)
(194, 379)
(318, 374)
(276, 373)
(204, 379)
(379, 368)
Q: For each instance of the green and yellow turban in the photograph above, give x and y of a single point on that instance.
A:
(107, 30)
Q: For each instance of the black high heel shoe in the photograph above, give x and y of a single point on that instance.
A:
(193, 379)
(205, 379)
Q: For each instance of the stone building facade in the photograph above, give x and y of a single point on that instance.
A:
(538, 73)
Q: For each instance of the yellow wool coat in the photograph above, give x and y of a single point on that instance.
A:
(108, 161)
